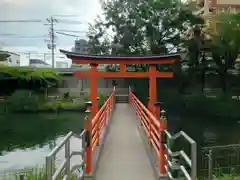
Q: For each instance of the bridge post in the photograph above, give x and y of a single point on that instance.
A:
(97, 108)
(88, 139)
(162, 150)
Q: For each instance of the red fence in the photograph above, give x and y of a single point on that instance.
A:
(96, 127)
(153, 127)
(100, 120)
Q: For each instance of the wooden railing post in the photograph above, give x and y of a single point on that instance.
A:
(162, 150)
(110, 105)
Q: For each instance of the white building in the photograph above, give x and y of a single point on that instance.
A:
(62, 64)
(12, 60)
(38, 63)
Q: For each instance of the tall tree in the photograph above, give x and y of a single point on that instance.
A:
(141, 26)
(226, 45)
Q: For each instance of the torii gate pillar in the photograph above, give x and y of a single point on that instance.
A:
(152, 87)
(93, 89)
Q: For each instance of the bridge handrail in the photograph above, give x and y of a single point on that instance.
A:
(99, 121)
(191, 161)
(150, 124)
(52, 173)
(155, 130)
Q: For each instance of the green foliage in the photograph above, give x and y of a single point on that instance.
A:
(47, 77)
(216, 55)
(101, 101)
(77, 104)
(28, 101)
(23, 100)
(221, 107)
(66, 95)
(3, 55)
(140, 27)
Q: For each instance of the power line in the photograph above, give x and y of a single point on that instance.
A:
(67, 21)
(66, 15)
(23, 37)
(21, 21)
(62, 33)
(71, 31)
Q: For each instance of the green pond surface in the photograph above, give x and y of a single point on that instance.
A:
(25, 140)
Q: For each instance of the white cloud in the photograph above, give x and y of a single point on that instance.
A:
(36, 9)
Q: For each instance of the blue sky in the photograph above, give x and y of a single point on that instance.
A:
(36, 9)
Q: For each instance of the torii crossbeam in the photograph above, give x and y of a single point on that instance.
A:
(95, 60)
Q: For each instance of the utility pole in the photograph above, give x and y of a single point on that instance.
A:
(52, 45)
(52, 41)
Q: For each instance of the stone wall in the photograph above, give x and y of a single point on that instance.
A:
(77, 87)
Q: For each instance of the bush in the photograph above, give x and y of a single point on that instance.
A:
(222, 107)
(78, 104)
(23, 100)
(101, 101)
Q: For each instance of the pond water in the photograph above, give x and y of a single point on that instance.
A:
(25, 140)
(210, 133)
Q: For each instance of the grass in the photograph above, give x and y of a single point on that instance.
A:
(226, 177)
(36, 174)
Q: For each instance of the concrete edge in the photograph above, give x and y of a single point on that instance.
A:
(151, 154)
(100, 149)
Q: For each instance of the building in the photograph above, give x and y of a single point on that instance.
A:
(38, 63)
(62, 64)
(13, 59)
(81, 46)
(210, 8)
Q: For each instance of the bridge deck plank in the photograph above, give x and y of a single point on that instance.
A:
(124, 156)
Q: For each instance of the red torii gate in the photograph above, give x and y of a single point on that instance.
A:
(93, 74)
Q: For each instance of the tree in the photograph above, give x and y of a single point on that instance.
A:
(3, 55)
(141, 27)
(226, 45)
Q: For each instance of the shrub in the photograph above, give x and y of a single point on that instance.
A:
(23, 100)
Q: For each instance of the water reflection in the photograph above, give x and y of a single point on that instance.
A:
(27, 139)
(207, 133)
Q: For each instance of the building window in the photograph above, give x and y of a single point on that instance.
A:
(10, 60)
(18, 62)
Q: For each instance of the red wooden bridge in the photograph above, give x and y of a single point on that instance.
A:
(124, 139)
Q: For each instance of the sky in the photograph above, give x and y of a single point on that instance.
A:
(85, 12)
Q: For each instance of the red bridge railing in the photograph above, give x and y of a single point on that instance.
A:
(155, 127)
(96, 130)
(152, 127)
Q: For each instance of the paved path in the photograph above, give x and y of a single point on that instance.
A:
(124, 156)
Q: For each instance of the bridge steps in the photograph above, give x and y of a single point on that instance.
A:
(121, 98)
(124, 156)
